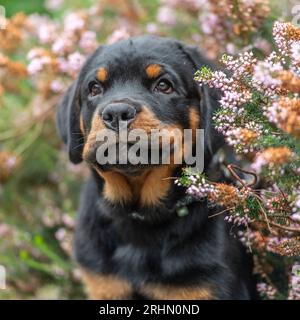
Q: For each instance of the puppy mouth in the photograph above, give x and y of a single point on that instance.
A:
(122, 159)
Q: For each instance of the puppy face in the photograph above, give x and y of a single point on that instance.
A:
(141, 83)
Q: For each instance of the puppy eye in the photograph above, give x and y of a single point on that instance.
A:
(164, 86)
(95, 89)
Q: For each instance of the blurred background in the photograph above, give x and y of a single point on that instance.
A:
(42, 47)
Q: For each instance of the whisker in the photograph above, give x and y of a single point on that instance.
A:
(78, 146)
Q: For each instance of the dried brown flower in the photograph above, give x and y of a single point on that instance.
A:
(287, 247)
(12, 35)
(277, 155)
(8, 164)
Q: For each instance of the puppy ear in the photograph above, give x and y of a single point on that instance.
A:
(209, 101)
(67, 121)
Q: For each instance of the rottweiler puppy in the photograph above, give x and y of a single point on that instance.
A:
(130, 241)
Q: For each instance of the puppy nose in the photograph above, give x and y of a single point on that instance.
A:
(117, 115)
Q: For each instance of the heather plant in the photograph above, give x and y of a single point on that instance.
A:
(259, 117)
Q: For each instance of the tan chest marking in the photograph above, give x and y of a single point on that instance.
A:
(172, 292)
(106, 287)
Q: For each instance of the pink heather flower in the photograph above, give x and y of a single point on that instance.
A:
(118, 35)
(258, 163)
(167, 16)
(240, 66)
(35, 53)
(266, 290)
(231, 48)
(263, 45)
(238, 220)
(73, 22)
(295, 52)
(68, 221)
(263, 76)
(201, 190)
(88, 41)
(296, 206)
(296, 216)
(57, 86)
(54, 4)
(75, 62)
(63, 65)
(36, 65)
(46, 32)
(209, 22)
(62, 45)
(4, 230)
(280, 37)
(294, 293)
(152, 28)
(11, 162)
(60, 234)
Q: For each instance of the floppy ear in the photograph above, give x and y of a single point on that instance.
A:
(209, 101)
(67, 121)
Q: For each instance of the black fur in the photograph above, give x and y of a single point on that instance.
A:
(163, 247)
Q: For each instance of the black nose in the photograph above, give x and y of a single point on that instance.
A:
(118, 115)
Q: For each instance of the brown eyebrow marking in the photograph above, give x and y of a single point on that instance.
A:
(102, 74)
(153, 70)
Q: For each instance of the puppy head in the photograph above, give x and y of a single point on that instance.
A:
(140, 83)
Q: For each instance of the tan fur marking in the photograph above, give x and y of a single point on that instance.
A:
(81, 125)
(153, 70)
(116, 187)
(102, 74)
(145, 120)
(156, 185)
(172, 292)
(194, 118)
(106, 287)
(97, 125)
